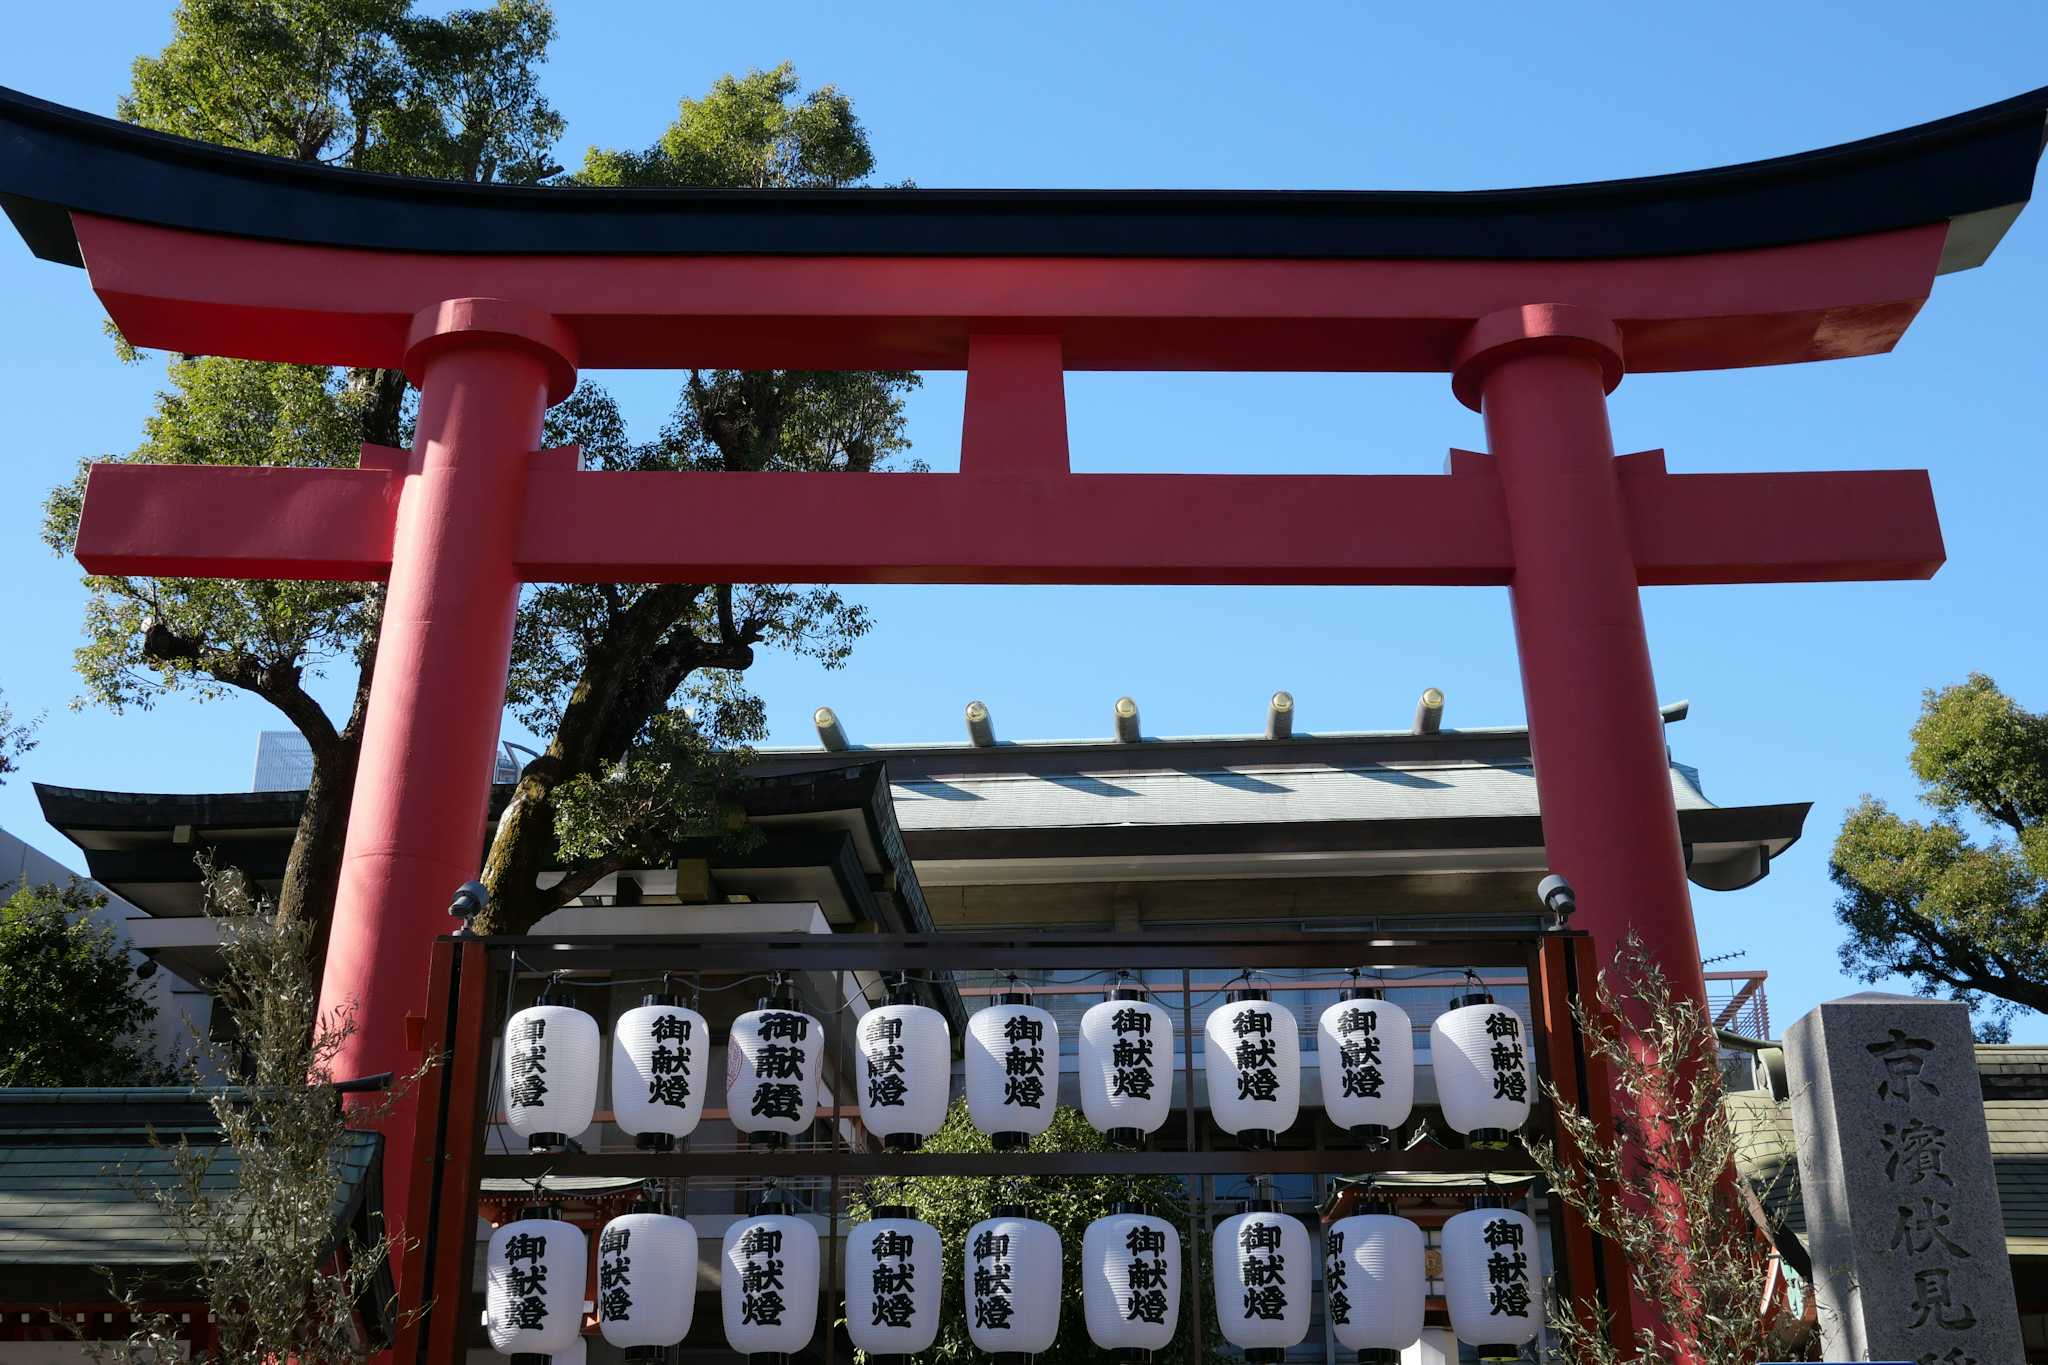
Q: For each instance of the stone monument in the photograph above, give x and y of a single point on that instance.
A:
(1902, 1214)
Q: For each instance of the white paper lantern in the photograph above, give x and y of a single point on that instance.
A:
(1492, 1281)
(551, 1064)
(1374, 1285)
(1264, 1273)
(1126, 1066)
(1011, 1277)
(768, 1284)
(1251, 1048)
(906, 1071)
(661, 1053)
(895, 1284)
(1365, 1055)
(772, 1059)
(534, 1283)
(1013, 1070)
(1130, 1280)
(1479, 1051)
(646, 1281)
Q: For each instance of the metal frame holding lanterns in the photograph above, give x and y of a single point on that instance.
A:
(472, 981)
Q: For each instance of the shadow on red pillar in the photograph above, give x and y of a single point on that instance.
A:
(487, 371)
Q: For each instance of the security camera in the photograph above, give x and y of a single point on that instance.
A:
(1558, 897)
(145, 969)
(471, 900)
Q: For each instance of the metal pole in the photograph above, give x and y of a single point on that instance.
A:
(1193, 1182)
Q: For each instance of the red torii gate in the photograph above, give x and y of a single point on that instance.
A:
(1534, 301)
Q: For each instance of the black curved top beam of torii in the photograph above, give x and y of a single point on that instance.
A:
(1974, 171)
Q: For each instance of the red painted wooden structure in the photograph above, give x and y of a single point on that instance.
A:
(1535, 303)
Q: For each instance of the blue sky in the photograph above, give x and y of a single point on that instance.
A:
(1798, 692)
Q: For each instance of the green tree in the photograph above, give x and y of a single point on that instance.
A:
(368, 85)
(1659, 1186)
(1957, 904)
(953, 1204)
(258, 1226)
(15, 740)
(639, 687)
(71, 1010)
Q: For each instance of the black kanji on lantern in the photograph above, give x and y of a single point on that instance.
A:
(615, 1273)
(894, 1280)
(780, 1101)
(1358, 1053)
(668, 1076)
(761, 1277)
(1263, 1269)
(1510, 1075)
(1507, 1269)
(1130, 1055)
(528, 1063)
(1257, 1076)
(1336, 1279)
(885, 1052)
(528, 1282)
(994, 1304)
(1147, 1248)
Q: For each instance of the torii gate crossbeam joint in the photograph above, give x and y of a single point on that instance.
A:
(1534, 302)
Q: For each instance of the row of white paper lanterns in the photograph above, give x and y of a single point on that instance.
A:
(1251, 1049)
(1130, 1266)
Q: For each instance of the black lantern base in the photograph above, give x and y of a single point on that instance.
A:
(1128, 1138)
(1490, 1140)
(1378, 1355)
(546, 1142)
(1009, 1142)
(1255, 1139)
(1132, 1353)
(890, 1359)
(655, 1142)
(901, 1142)
(767, 1142)
(1373, 1137)
(1500, 1353)
(531, 1358)
(1264, 1355)
(646, 1355)
(1011, 1358)
(770, 1358)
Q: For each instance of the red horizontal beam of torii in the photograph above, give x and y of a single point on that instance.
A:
(587, 527)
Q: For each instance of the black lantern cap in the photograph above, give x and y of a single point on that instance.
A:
(1259, 1205)
(1011, 1210)
(1249, 992)
(892, 1211)
(1459, 1002)
(1129, 1206)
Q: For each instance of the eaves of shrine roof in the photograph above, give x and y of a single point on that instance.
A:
(1323, 804)
(1972, 171)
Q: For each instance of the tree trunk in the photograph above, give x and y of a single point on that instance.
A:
(520, 849)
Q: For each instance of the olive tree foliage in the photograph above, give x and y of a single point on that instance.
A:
(639, 687)
(254, 1211)
(16, 739)
(954, 1204)
(366, 85)
(1957, 904)
(1660, 1186)
(71, 1011)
